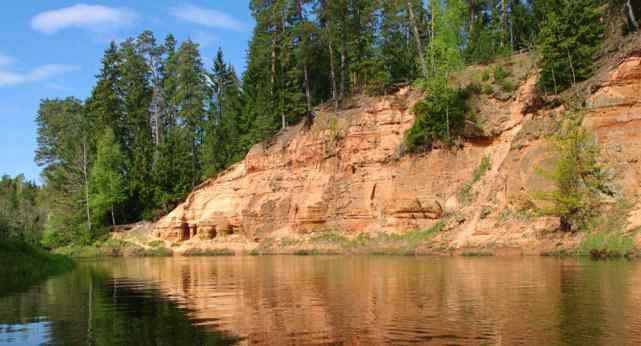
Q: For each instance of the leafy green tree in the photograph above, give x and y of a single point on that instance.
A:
(578, 178)
(569, 38)
(65, 150)
(441, 115)
(23, 209)
(107, 177)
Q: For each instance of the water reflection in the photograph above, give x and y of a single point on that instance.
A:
(334, 300)
(89, 306)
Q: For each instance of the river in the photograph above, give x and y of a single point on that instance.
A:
(359, 300)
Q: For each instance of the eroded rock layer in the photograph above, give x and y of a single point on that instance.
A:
(348, 171)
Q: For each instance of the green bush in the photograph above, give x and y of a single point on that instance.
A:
(603, 244)
(507, 86)
(500, 73)
(439, 117)
(22, 265)
(486, 75)
(578, 178)
(465, 194)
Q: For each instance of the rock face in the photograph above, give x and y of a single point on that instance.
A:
(348, 172)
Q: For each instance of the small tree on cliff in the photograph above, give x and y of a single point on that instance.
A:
(107, 177)
(579, 180)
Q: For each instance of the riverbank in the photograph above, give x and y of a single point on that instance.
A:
(23, 265)
(438, 240)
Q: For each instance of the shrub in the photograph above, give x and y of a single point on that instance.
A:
(486, 75)
(500, 73)
(439, 117)
(579, 180)
(465, 194)
(507, 86)
(601, 245)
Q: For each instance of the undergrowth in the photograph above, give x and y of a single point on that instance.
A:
(23, 265)
(465, 194)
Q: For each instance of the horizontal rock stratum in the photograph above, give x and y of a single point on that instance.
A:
(348, 172)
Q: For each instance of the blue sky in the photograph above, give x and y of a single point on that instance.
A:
(52, 49)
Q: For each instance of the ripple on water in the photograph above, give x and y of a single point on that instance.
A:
(331, 300)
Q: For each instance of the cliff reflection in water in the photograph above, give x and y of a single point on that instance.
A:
(389, 300)
(330, 300)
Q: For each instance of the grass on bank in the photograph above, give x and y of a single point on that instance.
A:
(335, 242)
(208, 252)
(115, 248)
(23, 265)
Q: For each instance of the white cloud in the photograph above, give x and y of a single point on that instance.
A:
(5, 60)
(44, 72)
(207, 17)
(96, 18)
(58, 87)
(205, 39)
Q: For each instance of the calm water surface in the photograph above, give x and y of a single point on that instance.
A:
(330, 301)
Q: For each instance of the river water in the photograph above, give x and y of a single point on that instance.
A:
(287, 300)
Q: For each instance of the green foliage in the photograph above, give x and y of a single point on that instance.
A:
(601, 245)
(486, 75)
(107, 177)
(22, 209)
(569, 38)
(208, 252)
(507, 86)
(23, 264)
(440, 117)
(500, 73)
(579, 179)
(477, 253)
(465, 193)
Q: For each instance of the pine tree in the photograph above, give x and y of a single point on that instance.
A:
(107, 177)
(191, 91)
(222, 145)
(568, 40)
(104, 105)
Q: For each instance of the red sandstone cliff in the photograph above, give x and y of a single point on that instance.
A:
(348, 172)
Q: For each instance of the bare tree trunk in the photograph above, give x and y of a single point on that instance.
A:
(631, 16)
(447, 111)
(332, 65)
(85, 176)
(343, 71)
(273, 57)
(308, 94)
(417, 37)
(503, 21)
(283, 119)
(113, 216)
(433, 26)
(571, 67)
(472, 15)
